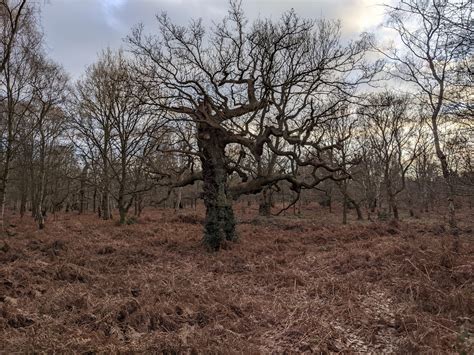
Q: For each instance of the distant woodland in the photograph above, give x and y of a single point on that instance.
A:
(275, 112)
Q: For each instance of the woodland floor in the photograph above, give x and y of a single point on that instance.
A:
(288, 285)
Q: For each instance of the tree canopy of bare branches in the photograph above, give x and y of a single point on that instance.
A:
(242, 86)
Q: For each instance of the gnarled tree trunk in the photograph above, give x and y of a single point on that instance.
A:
(220, 223)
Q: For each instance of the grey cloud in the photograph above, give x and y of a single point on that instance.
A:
(76, 30)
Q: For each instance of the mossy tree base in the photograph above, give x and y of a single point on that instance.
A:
(219, 226)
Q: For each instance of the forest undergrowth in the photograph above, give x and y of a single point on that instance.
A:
(289, 284)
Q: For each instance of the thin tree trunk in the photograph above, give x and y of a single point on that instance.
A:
(94, 202)
(447, 178)
(82, 190)
(105, 210)
(344, 202)
(6, 170)
(106, 213)
(265, 206)
(23, 203)
(122, 204)
(178, 203)
(42, 177)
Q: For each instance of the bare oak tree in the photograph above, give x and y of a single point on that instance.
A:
(242, 86)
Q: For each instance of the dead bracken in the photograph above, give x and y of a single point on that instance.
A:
(317, 288)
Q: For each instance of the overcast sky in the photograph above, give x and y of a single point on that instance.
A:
(77, 30)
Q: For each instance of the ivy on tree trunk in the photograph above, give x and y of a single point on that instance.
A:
(220, 222)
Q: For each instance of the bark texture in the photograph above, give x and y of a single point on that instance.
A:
(220, 222)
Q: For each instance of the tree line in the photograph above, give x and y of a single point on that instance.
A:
(238, 109)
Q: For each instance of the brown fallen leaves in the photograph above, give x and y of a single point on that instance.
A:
(289, 284)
